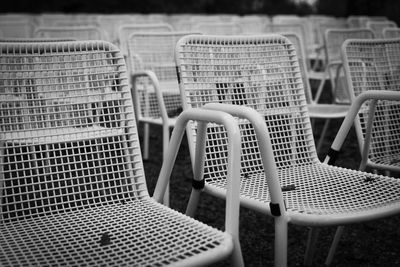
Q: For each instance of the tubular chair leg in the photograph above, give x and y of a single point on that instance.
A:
(193, 202)
(146, 137)
(237, 257)
(335, 242)
(165, 149)
(322, 136)
(311, 243)
(281, 242)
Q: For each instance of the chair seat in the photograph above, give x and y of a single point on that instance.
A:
(134, 233)
(329, 111)
(335, 195)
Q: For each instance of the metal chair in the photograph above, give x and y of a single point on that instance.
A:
(326, 111)
(258, 80)
(154, 83)
(391, 32)
(225, 28)
(73, 190)
(378, 26)
(82, 33)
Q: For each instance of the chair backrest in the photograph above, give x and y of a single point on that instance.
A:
(155, 52)
(82, 33)
(375, 65)
(68, 138)
(391, 32)
(22, 28)
(334, 39)
(261, 72)
(126, 30)
(217, 28)
(378, 26)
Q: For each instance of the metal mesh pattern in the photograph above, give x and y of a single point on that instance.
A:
(378, 26)
(72, 185)
(391, 32)
(155, 52)
(375, 65)
(75, 32)
(107, 236)
(334, 39)
(263, 73)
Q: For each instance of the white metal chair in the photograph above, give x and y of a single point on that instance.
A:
(73, 190)
(154, 83)
(82, 33)
(378, 26)
(258, 79)
(326, 111)
(22, 27)
(222, 27)
(391, 32)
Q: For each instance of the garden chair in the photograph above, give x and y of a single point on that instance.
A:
(258, 80)
(72, 183)
(374, 65)
(378, 26)
(391, 32)
(326, 111)
(82, 33)
(154, 83)
(222, 27)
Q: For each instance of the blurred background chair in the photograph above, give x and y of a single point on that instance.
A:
(391, 32)
(258, 79)
(81, 33)
(73, 190)
(378, 26)
(217, 28)
(373, 65)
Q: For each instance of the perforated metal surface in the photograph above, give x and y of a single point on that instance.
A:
(72, 185)
(263, 73)
(375, 65)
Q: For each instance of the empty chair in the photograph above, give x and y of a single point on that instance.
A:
(224, 28)
(391, 32)
(125, 30)
(373, 65)
(73, 190)
(81, 33)
(378, 26)
(258, 79)
(154, 83)
(17, 28)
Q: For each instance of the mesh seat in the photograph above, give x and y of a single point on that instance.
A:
(258, 79)
(72, 184)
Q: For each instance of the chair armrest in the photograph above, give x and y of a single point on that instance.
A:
(344, 129)
(264, 142)
(203, 117)
(154, 80)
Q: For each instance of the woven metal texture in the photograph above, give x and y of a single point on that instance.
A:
(72, 185)
(375, 65)
(263, 73)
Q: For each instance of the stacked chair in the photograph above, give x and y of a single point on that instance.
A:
(257, 79)
(73, 190)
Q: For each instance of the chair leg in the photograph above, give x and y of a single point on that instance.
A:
(322, 136)
(193, 202)
(236, 257)
(335, 242)
(146, 137)
(311, 243)
(281, 241)
(165, 149)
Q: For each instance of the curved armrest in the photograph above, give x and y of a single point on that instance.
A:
(373, 95)
(265, 147)
(204, 116)
(154, 80)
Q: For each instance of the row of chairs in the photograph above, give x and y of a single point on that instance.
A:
(73, 185)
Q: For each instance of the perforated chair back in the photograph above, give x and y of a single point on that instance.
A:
(126, 30)
(378, 26)
(81, 33)
(334, 39)
(155, 52)
(17, 28)
(391, 32)
(375, 65)
(73, 190)
(216, 28)
(259, 72)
